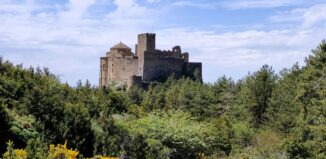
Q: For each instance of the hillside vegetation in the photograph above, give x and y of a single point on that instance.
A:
(263, 115)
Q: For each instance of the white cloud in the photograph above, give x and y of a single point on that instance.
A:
(153, 1)
(129, 13)
(294, 15)
(236, 4)
(245, 4)
(77, 8)
(236, 53)
(192, 4)
(314, 15)
(306, 17)
(66, 40)
(9, 7)
(127, 8)
(70, 43)
(212, 46)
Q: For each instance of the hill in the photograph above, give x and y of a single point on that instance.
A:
(264, 115)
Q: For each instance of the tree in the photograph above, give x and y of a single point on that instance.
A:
(312, 97)
(4, 127)
(256, 93)
(36, 149)
(78, 128)
(284, 109)
(312, 91)
(176, 132)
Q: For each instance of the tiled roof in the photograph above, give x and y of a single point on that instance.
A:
(120, 45)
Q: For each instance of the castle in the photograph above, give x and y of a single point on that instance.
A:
(148, 64)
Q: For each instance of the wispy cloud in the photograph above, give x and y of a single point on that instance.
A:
(212, 46)
(66, 40)
(193, 4)
(237, 4)
(314, 15)
(153, 1)
(69, 38)
(245, 4)
(307, 17)
(128, 13)
(77, 9)
(294, 15)
(236, 53)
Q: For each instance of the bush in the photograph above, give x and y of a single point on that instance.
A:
(176, 133)
(12, 153)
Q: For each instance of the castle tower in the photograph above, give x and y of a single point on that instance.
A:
(120, 66)
(146, 43)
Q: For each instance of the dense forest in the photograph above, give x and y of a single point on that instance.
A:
(263, 115)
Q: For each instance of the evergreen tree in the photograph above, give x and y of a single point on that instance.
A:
(256, 93)
(284, 110)
(310, 137)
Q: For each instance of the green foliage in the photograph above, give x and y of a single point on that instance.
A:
(12, 153)
(267, 142)
(256, 93)
(284, 111)
(36, 149)
(264, 115)
(107, 136)
(311, 95)
(155, 149)
(197, 75)
(243, 134)
(78, 127)
(136, 95)
(4, 126)
(133, 146)
(174, 131)
(312, 91)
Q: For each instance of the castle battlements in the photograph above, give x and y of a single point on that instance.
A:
(147, 64)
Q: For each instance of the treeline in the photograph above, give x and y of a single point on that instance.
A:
(263, 115)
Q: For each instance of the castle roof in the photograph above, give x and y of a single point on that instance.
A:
(120, 45)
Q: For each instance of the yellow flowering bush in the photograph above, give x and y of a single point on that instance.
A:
(55, 152)
(61, 151)
(12, 153)
(16, 154)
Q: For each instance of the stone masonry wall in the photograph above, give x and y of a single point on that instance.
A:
(120, 69)
(192, 67)
(103, 71)
(157, 68)
(147, 65)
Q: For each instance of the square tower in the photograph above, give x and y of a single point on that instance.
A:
(145, 43)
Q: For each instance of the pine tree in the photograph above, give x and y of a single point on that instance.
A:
(256, 93)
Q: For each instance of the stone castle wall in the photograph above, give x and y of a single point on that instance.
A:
(158, 68)
(121, 68)
(148, 64)
(192, 67)
(103, 71)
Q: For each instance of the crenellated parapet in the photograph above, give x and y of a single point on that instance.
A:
(147, 65)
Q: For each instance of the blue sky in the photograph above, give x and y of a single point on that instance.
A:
(230, 37)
